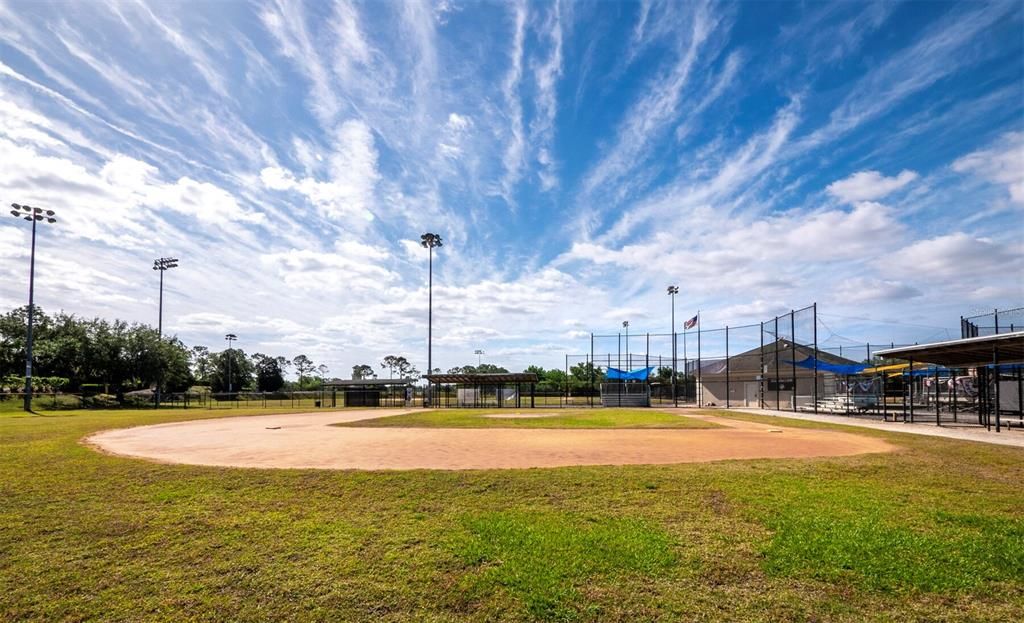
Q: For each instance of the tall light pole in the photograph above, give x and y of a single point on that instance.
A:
(34, 215)
(162, 264)
(478, 354)
(430, 241)
(230, 337)
(625, 324)
(672, 292)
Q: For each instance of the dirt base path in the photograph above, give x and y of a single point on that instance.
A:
(308, 441)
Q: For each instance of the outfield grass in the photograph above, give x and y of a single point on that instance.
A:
(559, 418)
(932, 532)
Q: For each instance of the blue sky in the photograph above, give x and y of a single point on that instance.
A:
(576, 158)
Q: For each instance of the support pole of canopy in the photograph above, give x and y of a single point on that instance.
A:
(995, 375)
(910, 375)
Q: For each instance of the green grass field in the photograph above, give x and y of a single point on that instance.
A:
(933, 532)
(557, 418)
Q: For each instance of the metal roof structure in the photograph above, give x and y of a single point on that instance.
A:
(964, 353)
(367, 382)
(483, 379)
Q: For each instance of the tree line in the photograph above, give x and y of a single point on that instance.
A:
(74, 354)
(580, 375)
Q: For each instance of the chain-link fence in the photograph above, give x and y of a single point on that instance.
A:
(769, 364)
(999, 321)
(297, 400)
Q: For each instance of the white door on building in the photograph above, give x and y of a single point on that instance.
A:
(750, 390)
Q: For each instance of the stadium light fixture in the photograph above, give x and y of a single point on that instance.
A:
(230, 337)
(35, 215)
(478, 352)
(430, 241)
(672, 292)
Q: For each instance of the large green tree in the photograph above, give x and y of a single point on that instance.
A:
(119, 356)
(241, 369)
(363, 371)
(303, 366)
(269, 375)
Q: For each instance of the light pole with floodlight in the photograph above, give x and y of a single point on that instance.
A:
(672, 292)
(625, 324)
(230, 337)
(430, 241)
(163, 264)
(478, 354)
(35, 215)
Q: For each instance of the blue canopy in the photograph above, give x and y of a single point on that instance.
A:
(641, 374)
(838, 368)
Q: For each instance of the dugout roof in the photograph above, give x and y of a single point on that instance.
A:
(968, 352)
(484, 379)
(367, 382)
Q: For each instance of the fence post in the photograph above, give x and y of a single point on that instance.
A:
(728, 389)
(593, 373)
(567, 379)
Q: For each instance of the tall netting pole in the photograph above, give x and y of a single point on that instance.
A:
(761, 371)
(778, 395)
(700, 381)
(686, 373)
(792, 335)
(647, 364)
(728, 389)
(815, 308)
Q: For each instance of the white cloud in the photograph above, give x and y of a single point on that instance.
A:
(351, 189)
(1002, 162)
(956, 256)
(869, 185)
(870, 290)
(459, 123)
(513, 158)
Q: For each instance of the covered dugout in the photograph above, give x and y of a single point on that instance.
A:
(769, 377)
(994, 362)
(503, 389)
(369, 392)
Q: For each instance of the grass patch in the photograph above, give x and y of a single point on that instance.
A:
(931, 532)
(544, 559)
(560, 418)
(851, 534)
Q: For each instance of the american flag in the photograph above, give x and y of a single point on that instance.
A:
(691, 323)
